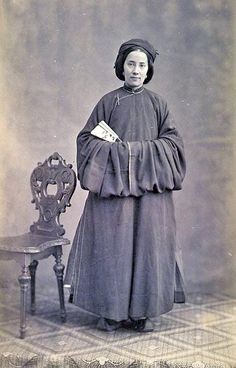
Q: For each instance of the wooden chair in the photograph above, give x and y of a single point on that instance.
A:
(52, 184)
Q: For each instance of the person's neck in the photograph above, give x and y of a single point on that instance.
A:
(132, 89)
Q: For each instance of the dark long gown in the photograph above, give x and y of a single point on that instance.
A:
(123, 258)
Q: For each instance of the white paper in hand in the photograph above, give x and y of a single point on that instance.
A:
(103, 131)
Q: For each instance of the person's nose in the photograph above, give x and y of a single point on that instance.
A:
(136, 69)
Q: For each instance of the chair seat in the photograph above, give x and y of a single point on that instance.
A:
(29, 243)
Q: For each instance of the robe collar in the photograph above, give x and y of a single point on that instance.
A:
(133, 90)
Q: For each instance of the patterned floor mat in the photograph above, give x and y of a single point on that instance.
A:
(198, 334)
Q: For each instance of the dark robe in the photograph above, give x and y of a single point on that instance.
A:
(123, 258)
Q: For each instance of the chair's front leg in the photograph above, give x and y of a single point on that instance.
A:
(32, 268)
(24, 280)
(59, 271)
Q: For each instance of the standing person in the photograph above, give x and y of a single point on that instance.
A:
(122, 265)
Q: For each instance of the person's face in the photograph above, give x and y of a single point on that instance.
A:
(135, 68)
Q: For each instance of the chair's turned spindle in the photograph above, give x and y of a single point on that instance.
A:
(24, 280)
(59, 271)
(32, 268)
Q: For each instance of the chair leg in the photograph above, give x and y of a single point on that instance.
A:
(59, 271)
(24, 280)
(32, 268)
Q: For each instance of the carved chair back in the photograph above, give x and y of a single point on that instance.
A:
(52, 184)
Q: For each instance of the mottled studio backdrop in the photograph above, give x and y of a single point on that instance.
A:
(56, 61)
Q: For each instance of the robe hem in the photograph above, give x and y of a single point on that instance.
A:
(118, 319)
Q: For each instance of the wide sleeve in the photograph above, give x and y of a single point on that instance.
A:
(102, 166)
(130, 168)
(159, 164)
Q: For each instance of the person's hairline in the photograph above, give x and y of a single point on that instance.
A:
(134, 51)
